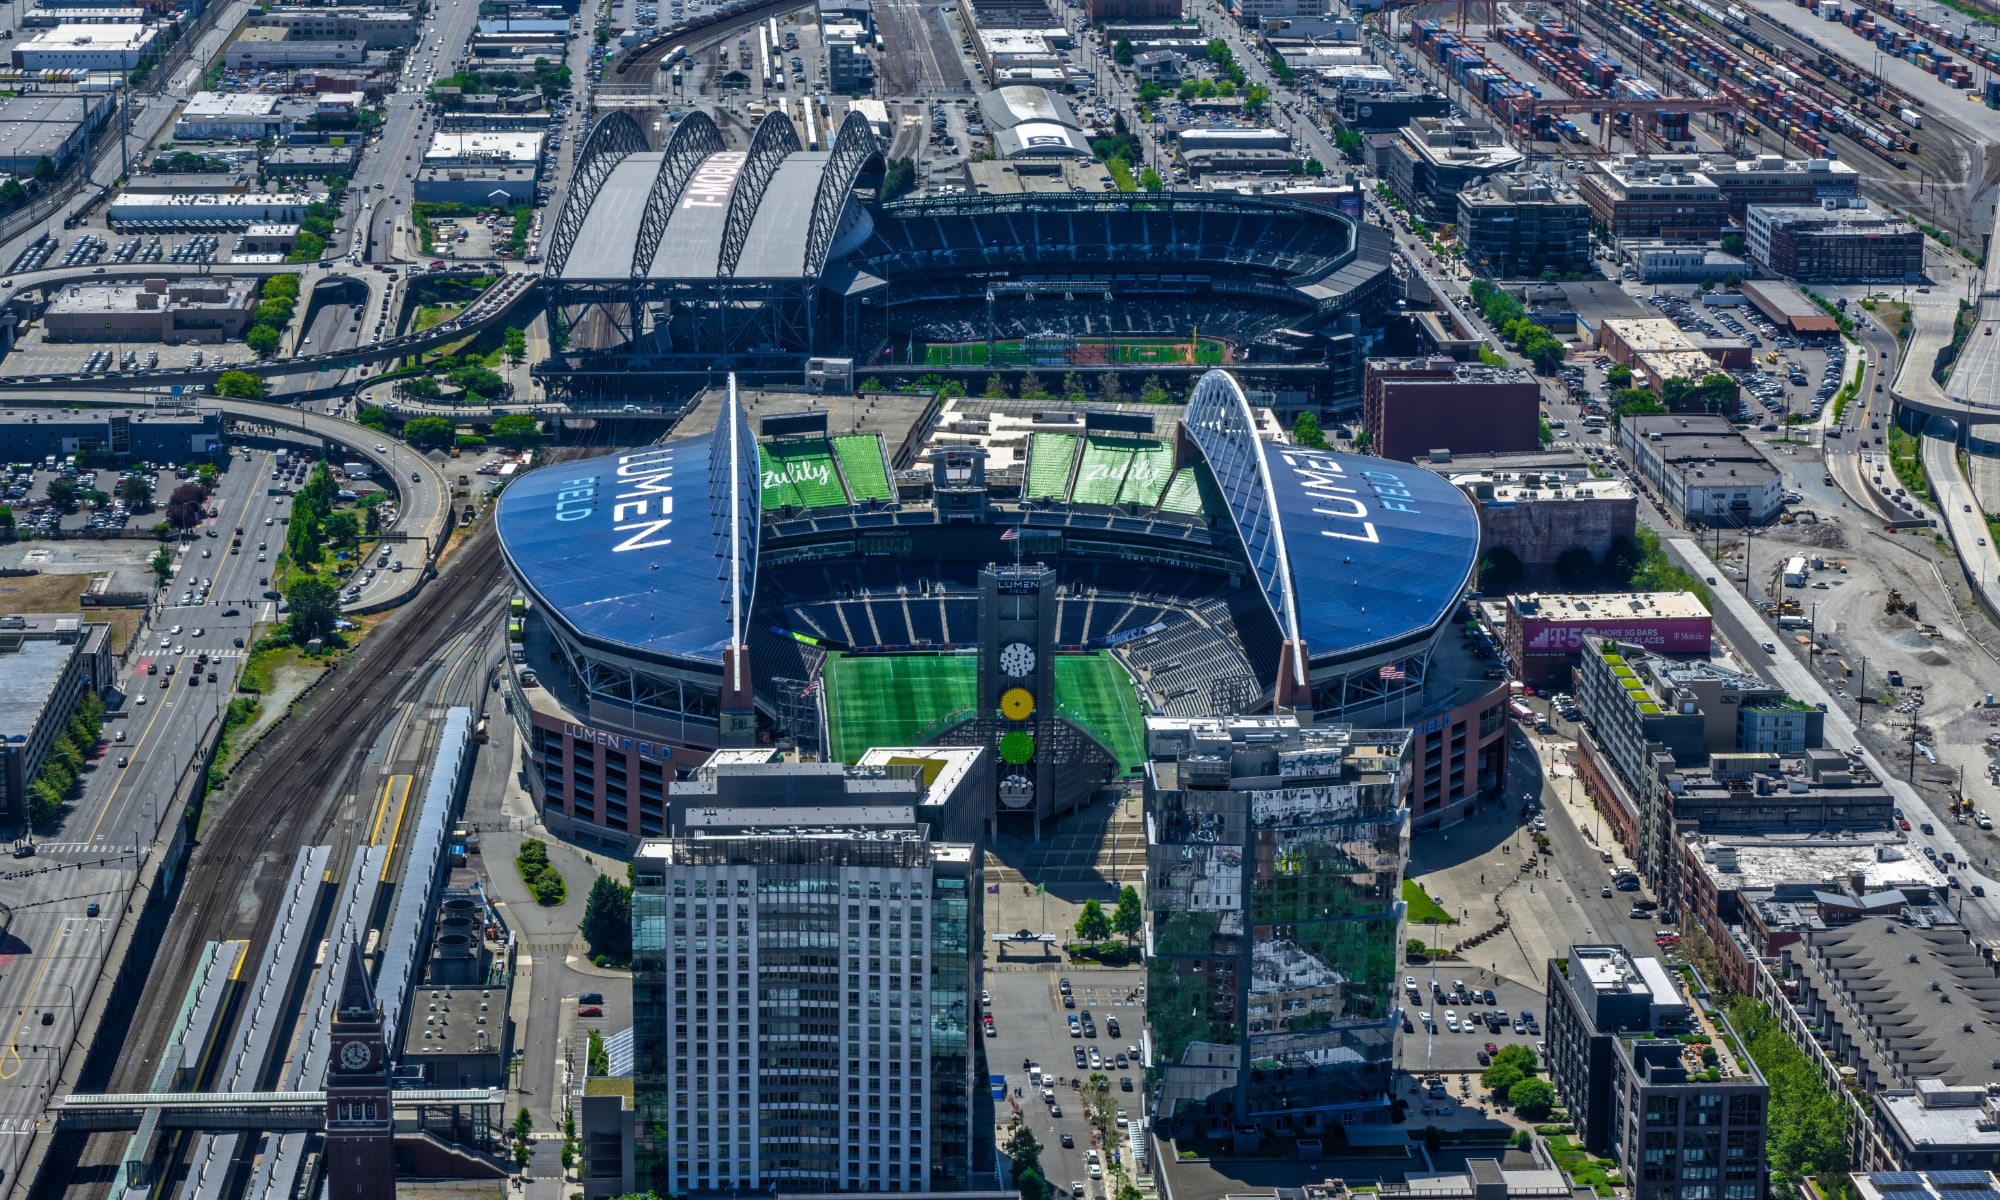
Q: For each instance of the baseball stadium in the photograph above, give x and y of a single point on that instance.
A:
(671, 264)
(844, 574)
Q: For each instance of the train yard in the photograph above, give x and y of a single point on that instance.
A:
(1751, 84)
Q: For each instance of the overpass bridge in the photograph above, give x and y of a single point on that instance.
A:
(243, 1112)
(1972, 395)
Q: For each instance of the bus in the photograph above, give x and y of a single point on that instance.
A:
(674, 56)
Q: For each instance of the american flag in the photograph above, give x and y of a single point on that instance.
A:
(1392, 671)
(1013, 534)
(811, 689)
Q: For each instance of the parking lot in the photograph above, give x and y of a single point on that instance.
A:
(1031, 1026)
(1449, 1030)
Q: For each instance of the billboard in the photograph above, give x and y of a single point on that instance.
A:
(1662, 635)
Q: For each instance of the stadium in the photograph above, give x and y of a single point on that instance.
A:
(1034, 578)
(668, 265)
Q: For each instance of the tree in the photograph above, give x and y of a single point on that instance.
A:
(1152, 391)
(262, 340)
(1093, 926)
(1520, 1057)
(1619, 375)
(163, 564)
(343, 530)
(1499, 1077)
(1501, 572)
(1121, 52)
(1072, 386)
(184, 507)
(1130, 915)
(1107, 387)
(1532, 1098)
(206, 475)
(1149, 180)
(1032, 388)
(607, 919)
(996, 387)
(597, 1058)
(315, 607)
(63, 493)
(516, 429)
(45, 169)
(1306, 431)
(1349, 144)
(1576, 567)
(6, 520)
(1031, 1185)
(428, 433)
(1023, 1150)
(516, 344)
(136, 490)
(240, 385)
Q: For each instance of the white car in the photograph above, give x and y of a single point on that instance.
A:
(381, 449)
(1451, 1022)
(175, 630)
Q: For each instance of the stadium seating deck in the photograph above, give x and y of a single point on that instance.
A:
(800, 474)
(1102, 472)
(862, 462)
(1094, 691)
(1146, 478)
(1193, 493)
(1049, 459)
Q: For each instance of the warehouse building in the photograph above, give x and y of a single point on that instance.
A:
(52, 125)
(135, 210)
(212, 308)
(1789, 309)
(376, 29)
(1540, 516)
(311, 162)
(1775, 179)
(1544, 632)
(1032, 122)
(264, 48)
(1634, 197)
(1108, 11)
(1703, 468)
(251, 116)
(49, 18)
(45, 667)
(1666, 262)
(483, 148)
(1835, 242)
(1411, 407)
(1433, 159)
(1518, 226)
(498, 185)
(85, 47)
(1658, 350)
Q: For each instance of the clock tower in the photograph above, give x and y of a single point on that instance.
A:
(1017, 627)
(360, 1119)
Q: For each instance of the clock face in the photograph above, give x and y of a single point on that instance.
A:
(355, 1055)
(1017, 659)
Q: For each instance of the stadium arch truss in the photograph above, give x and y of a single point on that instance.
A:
(698, 250)
(1363, 561)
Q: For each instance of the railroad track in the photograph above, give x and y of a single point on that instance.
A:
(297, 793)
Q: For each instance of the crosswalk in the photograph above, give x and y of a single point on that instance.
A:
(77, 849)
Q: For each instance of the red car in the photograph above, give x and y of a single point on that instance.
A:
(1902, 824)
(1492, 1049)
(590, 1010)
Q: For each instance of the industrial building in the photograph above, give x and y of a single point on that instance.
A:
(1790, 310)
(1544, 632)
(1523, 226)
(1681, 1119)
(1032, 122)
(1835, 243)
(311, 162)
(1667, 262)
(134, 210)
(45, 667)
(1705, 470)
(1411, 407)
(247, 116)
(48, 124)
(1368, 110)
(1658, 350)
(849, 69)
(781, 1068)
(490, 186)
(85, 47)
(117, 435)
(1117, 11)
(268, 47)
(483, 147)
(375, 29)
(1433, 159)
(1634, 197)
(1539, 516)
(209, 309)
(1284, 1024)
(1776, 179)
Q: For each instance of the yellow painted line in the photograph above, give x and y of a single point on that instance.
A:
(381, 806)
(5, 1071)
(242, 956)
(402, 804)
(159, 710)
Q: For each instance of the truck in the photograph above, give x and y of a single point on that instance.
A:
(1895, 679)
(1794, 623)
(1795, 571)
(355, 470)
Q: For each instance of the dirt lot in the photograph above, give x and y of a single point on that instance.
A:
(59, 594)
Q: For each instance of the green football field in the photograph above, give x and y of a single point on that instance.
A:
(901, 700)
(893, 700)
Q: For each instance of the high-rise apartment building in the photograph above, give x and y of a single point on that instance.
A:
(802, 1008)
(1276, 861)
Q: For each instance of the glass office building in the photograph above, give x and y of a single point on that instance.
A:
(802, 1007)
(1276, 856)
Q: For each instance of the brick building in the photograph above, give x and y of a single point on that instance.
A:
(1633, 197)
(1413, 406)
(1850, 243)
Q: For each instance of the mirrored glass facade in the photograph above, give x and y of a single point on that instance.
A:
(1276, 859)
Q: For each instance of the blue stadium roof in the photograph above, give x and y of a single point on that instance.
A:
(1379, 550)
(628, 550)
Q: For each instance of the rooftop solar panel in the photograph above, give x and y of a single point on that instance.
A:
(1889, 1181)
(1977, 1179)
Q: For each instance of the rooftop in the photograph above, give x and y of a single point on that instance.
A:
(1926, 997)
(1924, 1185)
(1857, 217)
(458, 1019)
(1418, 372)
(1513, 190)
(1874, 861)
(32, 668)
(230, 104)
(495, 146)
(1454, 141)
(1530, 487)
(109, 38)
(1607, 606)
(1646, 335)
(1632, 177)
(213, 291)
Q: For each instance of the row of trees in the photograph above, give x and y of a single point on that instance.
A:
(276, 303)
(56, 780)
(1806, 1134)
(1511, 1079)
(1095, 925)
(532, 861)
(438, 433)
(1510, 318)
(1109, 390)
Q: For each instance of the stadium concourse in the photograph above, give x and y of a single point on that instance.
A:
(667, 265)
(789, 568)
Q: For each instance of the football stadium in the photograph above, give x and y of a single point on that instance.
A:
(846, 574)
(668, 265)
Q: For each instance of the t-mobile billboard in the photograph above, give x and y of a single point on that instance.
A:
(1662, 635)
